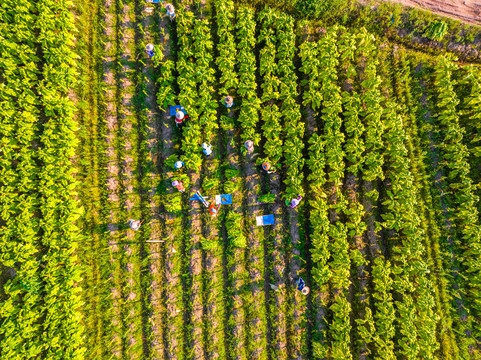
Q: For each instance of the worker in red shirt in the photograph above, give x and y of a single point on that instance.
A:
(179, 185)
(179, 118)
(213, 209)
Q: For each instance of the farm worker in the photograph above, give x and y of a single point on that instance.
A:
(213, 209)
(134, 224)
(267, 167)
(170, 11)
(207, 148)
(179, 117)
(301, 286)
(150, 50)
(179, 165)
(179, 185)
(229, 102)
(295, 202)
(249, 144)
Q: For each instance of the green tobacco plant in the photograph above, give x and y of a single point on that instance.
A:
(436, 30)
(209, 244)
(235, 232)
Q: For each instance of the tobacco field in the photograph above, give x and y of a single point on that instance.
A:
(383, 143)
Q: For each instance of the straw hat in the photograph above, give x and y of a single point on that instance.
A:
(266, 166)
(149, 47)
(175, 183)
(205, 146)
(305, 290)
(169, 7)
(178, 164)
(179, 115)
(229, 99)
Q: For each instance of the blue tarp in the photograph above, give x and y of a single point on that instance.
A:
(265, 220)
(224, 199)
(173, 110)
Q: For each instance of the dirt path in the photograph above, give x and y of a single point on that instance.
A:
(113, 167)
(151, 202)
(195, 265)
(255, 262)
(465, 10)
(317, 315)
(171, 320)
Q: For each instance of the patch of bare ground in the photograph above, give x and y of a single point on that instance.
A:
(318, 299)
(213, 267)
(468, 11)
(298, 301)
(113, 186)
(362, 271)
(277, 233)
(237, 268)
(370, 234)
(295, 268)
(154, 248)
(255, 253)
(213, 316)
(195, 267)
(127, 166)
(171, 234)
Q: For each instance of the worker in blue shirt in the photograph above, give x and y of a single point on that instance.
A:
(229, 102)
(207, 149)
(150, 50)
(179, 165)
(170, 11)
(301, 286)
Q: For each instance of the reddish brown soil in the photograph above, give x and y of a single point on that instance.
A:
(465, 10)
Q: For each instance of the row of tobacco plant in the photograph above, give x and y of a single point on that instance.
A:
(39, 207)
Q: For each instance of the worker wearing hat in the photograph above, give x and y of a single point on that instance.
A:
(301, 286)
(207, 149)
(294, 202)
(179, 185)
(179, 165)
(134, 224)
(170, 11)
(213, 209)
(249, 144)
(229, 102)
(150, 50)
(267, 167)
(179, 118)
